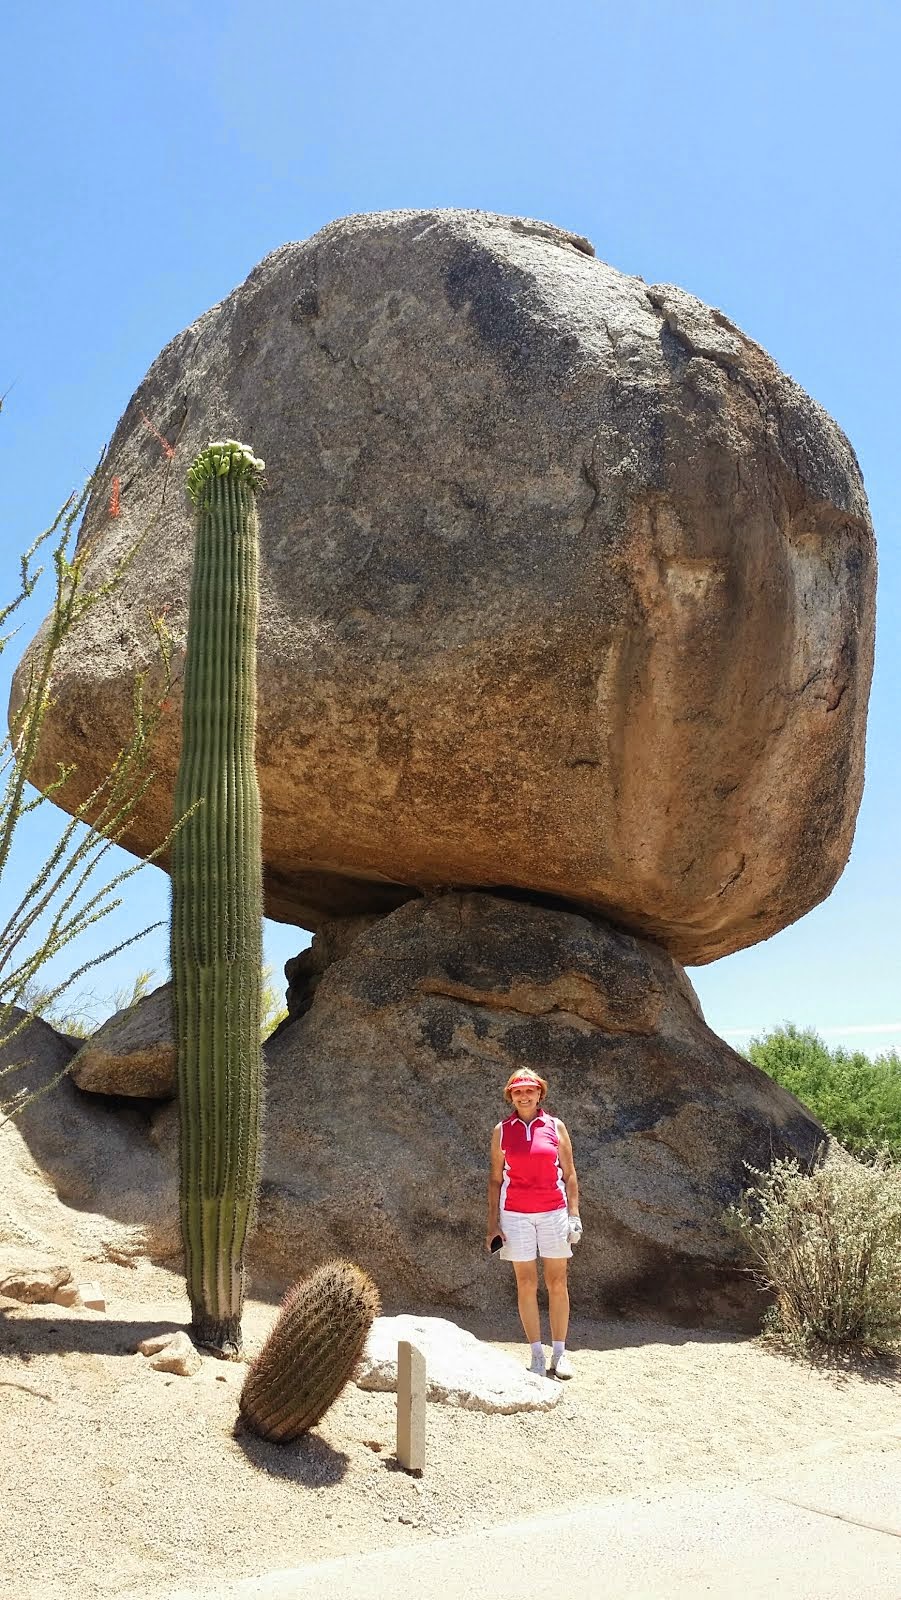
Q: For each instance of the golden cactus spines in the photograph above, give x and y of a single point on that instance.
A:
(311, 1353)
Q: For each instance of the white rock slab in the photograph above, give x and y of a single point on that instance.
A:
(460, 1369)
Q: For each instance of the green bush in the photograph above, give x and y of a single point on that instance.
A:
(857, 1100)
(828, 1243)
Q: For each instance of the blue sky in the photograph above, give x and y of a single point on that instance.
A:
(749, 152)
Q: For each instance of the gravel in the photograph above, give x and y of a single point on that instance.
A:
(116, 1479)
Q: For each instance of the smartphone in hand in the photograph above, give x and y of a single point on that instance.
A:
(496, 1243)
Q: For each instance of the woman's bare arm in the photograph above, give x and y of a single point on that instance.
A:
(568, 1168)
(495, 1179)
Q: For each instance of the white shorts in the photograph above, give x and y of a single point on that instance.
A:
(531, 1233)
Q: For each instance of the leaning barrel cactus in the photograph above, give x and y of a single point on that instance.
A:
(217, 898)
(311, 1352)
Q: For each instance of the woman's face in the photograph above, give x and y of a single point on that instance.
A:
(526, 1101)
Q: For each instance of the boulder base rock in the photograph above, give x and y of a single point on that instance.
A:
(461, 1370)
(381, 1099)
(566, 587)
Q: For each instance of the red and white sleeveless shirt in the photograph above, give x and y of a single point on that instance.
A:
(533, 1177)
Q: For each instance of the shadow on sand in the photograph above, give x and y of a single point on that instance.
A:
(31, 1336)
(309, 1461)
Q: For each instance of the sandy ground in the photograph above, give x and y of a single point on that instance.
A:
(119, 1480)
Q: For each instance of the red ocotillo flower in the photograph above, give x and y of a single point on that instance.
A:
(166, 447)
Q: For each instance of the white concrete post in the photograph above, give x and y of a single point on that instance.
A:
(410, 1408)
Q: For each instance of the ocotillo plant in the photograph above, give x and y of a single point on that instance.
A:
(217, 900)
(311, 1352)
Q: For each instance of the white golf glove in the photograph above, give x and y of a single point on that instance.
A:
(574, 1232)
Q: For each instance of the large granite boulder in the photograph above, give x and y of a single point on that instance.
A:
(382, 1097)
(566, 587)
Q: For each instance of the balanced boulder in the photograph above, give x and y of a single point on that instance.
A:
(566, 588)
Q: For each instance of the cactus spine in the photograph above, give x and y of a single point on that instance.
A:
(311, 1352)
(217, 901)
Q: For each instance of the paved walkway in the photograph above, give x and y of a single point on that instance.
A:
(831, 1531)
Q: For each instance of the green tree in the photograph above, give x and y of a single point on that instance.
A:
(857, 1100)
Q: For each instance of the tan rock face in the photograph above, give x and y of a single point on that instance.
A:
(175, 1354)
(566, 587)
(133, 1053)
(37, 1282)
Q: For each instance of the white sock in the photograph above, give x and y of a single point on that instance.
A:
(559, 1347)
(537, 1348)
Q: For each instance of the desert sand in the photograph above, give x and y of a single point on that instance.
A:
(116, 1479)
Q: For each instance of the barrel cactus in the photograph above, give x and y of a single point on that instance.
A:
(217, 899)
(311, 1352)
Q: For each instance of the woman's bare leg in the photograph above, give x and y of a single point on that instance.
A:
(557, 1295)
(527, 1296)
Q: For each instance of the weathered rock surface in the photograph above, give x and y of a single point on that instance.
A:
(32, 1280)
(380, 1102)
(175, 1354)
(460, 1369)
(133, 1053)
(303, 972)
(566, 587)
(113, 1165)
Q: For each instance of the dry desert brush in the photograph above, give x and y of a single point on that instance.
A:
(828, 1243)
(311, 1353)
(49, 907)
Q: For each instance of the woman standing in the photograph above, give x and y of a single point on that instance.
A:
(533, 1204)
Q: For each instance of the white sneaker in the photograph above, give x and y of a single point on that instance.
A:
(538, 1365)
(561, 1366)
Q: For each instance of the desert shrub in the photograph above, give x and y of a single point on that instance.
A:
(857, 1100)
(828, 1242)
(52, 904)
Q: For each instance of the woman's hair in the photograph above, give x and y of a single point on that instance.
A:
(518, 1077)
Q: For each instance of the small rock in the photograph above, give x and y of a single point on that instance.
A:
(35, 1284)
(67, 1295)
(157, 1342)
(179, 1356)
(92, 1296)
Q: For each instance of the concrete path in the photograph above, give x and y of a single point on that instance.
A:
(831, 1531)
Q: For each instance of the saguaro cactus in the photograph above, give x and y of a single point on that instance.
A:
(217, 899)
(311, 1352)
